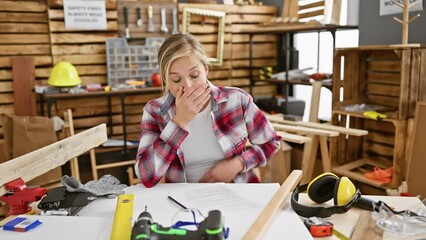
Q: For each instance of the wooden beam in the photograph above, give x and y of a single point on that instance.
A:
(305, 130)
(294, 138)
(47, 158)
(23, 72)
(276, 203)
(341, 130)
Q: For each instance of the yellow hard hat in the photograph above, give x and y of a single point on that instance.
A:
(64, 74)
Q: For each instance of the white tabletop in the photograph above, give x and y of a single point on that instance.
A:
(95, 220)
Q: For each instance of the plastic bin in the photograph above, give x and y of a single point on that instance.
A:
(127, 63)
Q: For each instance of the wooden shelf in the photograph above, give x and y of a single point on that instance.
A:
(354, 170)
(293, 82)
(390, 115)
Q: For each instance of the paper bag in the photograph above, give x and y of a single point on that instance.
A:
(26, 134)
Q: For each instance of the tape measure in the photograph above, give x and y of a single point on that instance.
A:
(122, 225)
(319, 227)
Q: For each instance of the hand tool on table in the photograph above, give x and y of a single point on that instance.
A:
(139, 22)
(319, 227)
(20, 197)
(210, 229)
(150, 20)
(175, 21)
(374, 115)
(163, 27)
(126, 21)
(122, 225)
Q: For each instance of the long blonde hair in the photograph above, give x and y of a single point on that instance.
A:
(177, 46)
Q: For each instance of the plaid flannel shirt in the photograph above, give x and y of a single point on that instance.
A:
(236, 119)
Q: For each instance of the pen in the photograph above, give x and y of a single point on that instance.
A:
(178, 203)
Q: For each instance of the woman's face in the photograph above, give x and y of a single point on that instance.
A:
(184, 72)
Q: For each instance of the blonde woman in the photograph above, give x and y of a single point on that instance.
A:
(197, 132)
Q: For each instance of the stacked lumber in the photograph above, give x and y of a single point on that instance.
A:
(235, 69)
(24, 31)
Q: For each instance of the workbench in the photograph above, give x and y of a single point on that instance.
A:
(48, 100)
(97, 217)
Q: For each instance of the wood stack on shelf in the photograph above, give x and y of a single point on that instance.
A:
(235, 68)
(392, 77)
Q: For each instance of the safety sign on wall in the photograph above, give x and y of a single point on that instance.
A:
(85, 15)
(388, 7)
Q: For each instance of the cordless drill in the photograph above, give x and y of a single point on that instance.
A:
(209, 229)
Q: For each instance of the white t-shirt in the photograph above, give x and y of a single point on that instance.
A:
(201, 148)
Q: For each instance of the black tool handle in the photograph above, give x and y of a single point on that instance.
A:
(126, 16)
(138, 12)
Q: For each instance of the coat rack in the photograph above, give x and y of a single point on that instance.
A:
(405, 5)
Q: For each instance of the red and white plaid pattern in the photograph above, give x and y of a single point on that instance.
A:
(236, 119)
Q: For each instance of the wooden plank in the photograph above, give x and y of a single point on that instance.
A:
(257, 53)
(351, 76)
(81, 37)
(372, 125)
(294, 138)
(415, 82)
(276, 203)
(311, 5)
(256, 63)
(384, 100)
(403, 107)
(381, 89)
(6, 86)
(103, 80)
(7, 109)
(23, 83)
(220, 74)
(24, 38)
(384, 66)
(78, 49)
(109, 4)
(422, 84)
(23, 17)
(311, 14)
(416, 162)
(399, 159)
(81, 69)
(245, 38)
(248, 9)
(204, 38)
(386, 78)
(24, 28)
(304, 130)
(249, 18)
(378, 149)
(81, 59)
(25, 49)
(47, 158)
(381, 137)
(341, 130)
(5, 74)
(23, 6)
(366, 228)
(59, 27)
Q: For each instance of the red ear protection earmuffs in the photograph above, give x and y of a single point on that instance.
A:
(323, 188)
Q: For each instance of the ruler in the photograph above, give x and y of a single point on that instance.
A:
(122, 225)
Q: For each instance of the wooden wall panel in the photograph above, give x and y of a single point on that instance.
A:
(24, 31)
